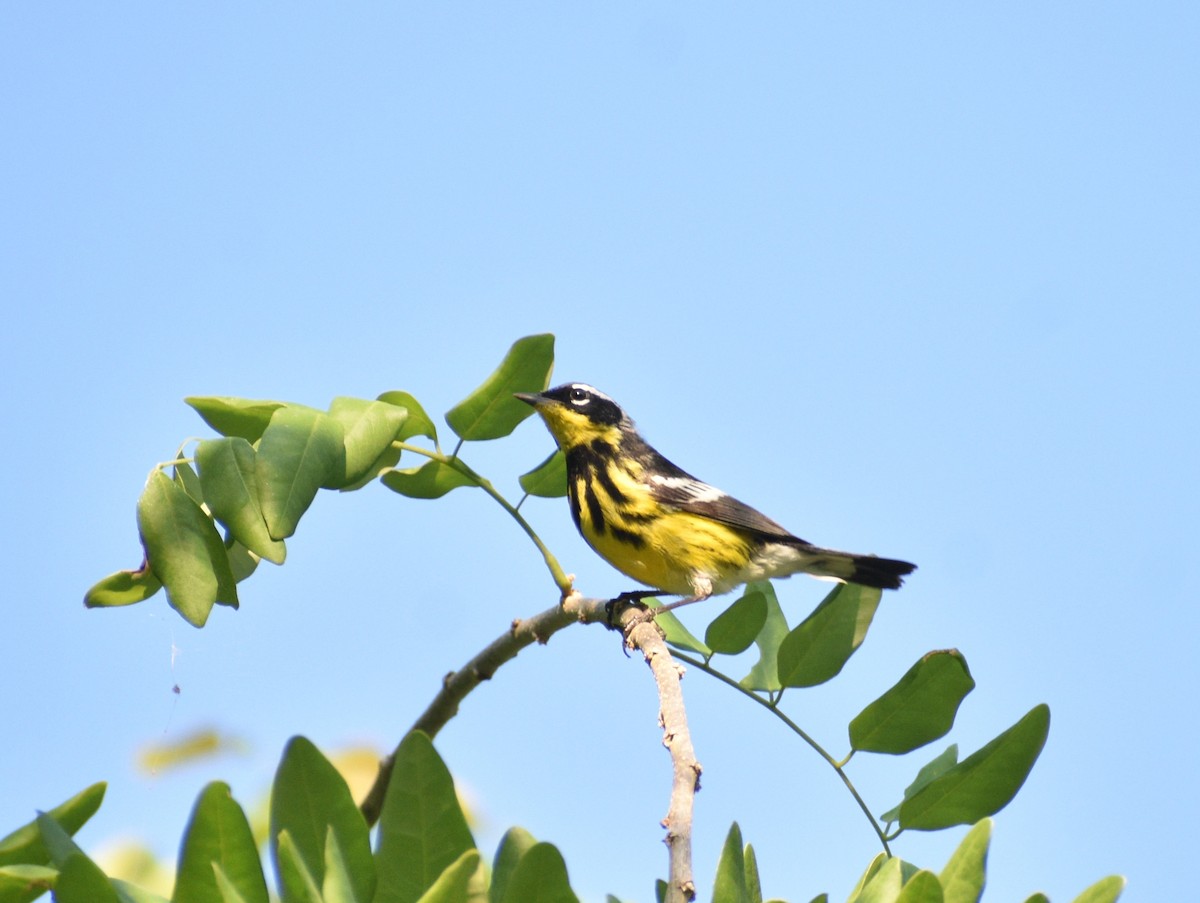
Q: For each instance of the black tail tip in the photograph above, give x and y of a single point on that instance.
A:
(881, 573)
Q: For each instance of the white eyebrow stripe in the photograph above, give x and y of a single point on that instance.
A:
(700, 492)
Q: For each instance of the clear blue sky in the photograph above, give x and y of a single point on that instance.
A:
(920, 280)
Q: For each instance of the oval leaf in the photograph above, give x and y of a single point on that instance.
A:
(81, 881)
(515, 843)
(416, 422)
(299, 451)
(765, 673)
(227, 475)
(368, 428)
(734, 629)
(923, 887)
(918, 709)
(965, 874)
(937, 767)
(819, 647)
(730, 884)
(218, 832)
(235, 416)
(1106, 890)
(454, 884)
(491, 412)
(295, 880)
(674, 632)
(540, 877)
(983, 783)
(184, 550)
(549, 479)
(25, 845)
(431, 480)
(123, 588)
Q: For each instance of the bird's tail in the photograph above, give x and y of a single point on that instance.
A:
(865, 570)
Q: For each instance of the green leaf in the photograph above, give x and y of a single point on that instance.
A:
(298, 453)
(1106, 890)
(871, 871)
(984, 782)
(228, 476)
(923, 887)
(549, 479)
(515, 843)
(491, 411)
(123, 588)
(417, 423)
(674, 632)
(918, 709)
(339, 883)
(229, 891)
(964, 876)
(184, 550)
(753, 883)
(1037, 898)
(368, 429)
(189, 482)
(886, 884)
(540, 877)
(81, 881)
(25, 846)
(765, 673)
(59, 844)
(296, 882)
(818, 649)
(935, 768)
(235, 416)
(24, 883)
(131, 893)
(309, 799)
(219, 833)
(453, 885)
(422, 830)
(735, 629)
(242, 562)
(730, 883)
(431, 480)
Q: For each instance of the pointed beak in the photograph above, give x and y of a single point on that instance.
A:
(529, 398)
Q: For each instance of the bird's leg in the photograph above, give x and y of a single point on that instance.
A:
(655, 612)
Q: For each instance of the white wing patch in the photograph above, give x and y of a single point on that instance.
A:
(693, 489)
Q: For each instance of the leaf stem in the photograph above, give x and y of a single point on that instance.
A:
(799, 731)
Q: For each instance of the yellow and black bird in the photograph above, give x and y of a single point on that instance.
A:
(664, 528)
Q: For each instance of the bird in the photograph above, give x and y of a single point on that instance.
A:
(659, 525)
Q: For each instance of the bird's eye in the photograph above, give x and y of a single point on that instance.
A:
(579, 397)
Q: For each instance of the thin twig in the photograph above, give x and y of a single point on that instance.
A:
(645, 636)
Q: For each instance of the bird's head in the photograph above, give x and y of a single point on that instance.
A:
(577, 414)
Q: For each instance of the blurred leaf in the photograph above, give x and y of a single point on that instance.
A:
(296, 882)
(674, 632)
(189, 482)
(730, 883)
(886, 884)
(549, 479)
(203, 743)
(422, 830)
(454, 883)
(235, 416)
(339, 884)
(81, 881)
(1038, 898)
(24, 883)
(734, 629)
(932, 769)
(515, 843)
(964, 876)
(25, 846)
(309, 799)
(298, 453)
(59, 844)
(227, 473)
(431, 480)
(984, 782)
(417, 423)
(765, 673)
(123, 588)
(540, 877)
(184, 550)
(229, 891)
(218, 832)
(871, 871)
(918, 709)
(923, 887)
(1106, 890)
(819, 647)
(368, 429)
(491, 411)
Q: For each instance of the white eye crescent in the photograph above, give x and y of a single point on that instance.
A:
(579, 397)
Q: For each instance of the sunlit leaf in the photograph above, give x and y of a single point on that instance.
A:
(923, 887)
(296, 882)
(674, 632)
(431, 480)
(184, 550)
(218, 832)
(549, 479)
(453, 885)
(189, 482)
(887, 882)
(491, 411)
(123, 588)
(368, 428)
(298, 453)
(81, 881)
(26, 846)
(918, 709)
(984, 782)
(734, 630)
(935, 768)
(515, 843)
(964, 875)
(417, 423)
(765, 673)
(25, 883)
(730, 883)
(868, 874)
(820, 646)
(235, 416)
(228, 475)
(1106, 890)
(540, 877)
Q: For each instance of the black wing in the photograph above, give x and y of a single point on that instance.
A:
(685, 492)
